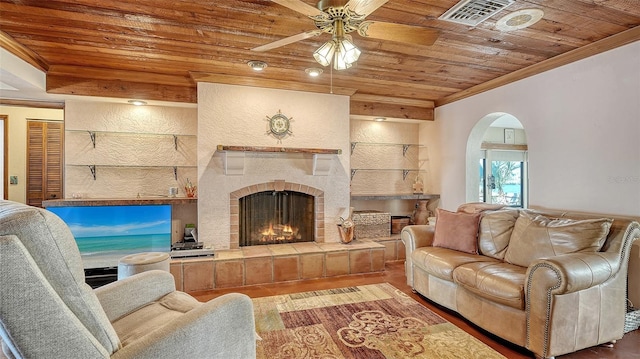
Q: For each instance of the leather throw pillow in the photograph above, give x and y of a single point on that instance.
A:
(536, 236)
(495, 232)
(457, 230)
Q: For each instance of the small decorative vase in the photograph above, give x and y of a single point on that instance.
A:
(190, 189)
(346, 234)
(418, 186)
(346, 228)
(421, 214)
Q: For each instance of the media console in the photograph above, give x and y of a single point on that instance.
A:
(126, 226)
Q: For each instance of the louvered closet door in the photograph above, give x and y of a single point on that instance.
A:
(44, 157)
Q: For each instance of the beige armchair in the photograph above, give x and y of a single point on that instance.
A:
(48, 311)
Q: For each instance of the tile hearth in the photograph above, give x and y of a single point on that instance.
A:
(277, 263)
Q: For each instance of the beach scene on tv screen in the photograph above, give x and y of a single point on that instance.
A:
(105, 234)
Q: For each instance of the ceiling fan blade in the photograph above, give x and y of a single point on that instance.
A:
(365, 7)
(299, 6)
(287, 40)
(406, 34)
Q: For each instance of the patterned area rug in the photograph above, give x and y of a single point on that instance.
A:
(370, 321)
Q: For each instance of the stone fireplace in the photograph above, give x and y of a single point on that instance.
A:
(232, 117)
(276, 212)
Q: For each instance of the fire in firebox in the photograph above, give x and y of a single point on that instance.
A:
(274, 217)
(279, 233)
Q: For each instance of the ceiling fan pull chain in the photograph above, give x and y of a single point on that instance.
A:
(331, 77)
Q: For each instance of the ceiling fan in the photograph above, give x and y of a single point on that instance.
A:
(341, 17)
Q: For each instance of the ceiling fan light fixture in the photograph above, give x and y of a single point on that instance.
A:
(348, 51)
(339, 62)
(257, 65)
(342, 52)
(324, 53)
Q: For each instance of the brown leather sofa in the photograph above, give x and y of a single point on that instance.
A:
(557, 304)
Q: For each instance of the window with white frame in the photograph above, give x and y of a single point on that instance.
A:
(503, 175)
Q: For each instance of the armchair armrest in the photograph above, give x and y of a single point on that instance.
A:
(414, 237)
(128, 294)
(222, 328)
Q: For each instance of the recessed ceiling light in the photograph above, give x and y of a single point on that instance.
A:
(313, 71)
(257, 65)
(380, 119)
(519, 19)
(137, 102)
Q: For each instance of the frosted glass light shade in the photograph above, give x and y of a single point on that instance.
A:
(348, 51)
(339, 63)
(341, 50)
(324, 53)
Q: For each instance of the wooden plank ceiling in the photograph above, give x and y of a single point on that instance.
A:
(160, 49)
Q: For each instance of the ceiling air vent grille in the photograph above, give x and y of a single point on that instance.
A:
(473, 12)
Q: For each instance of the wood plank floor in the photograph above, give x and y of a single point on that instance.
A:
(628, 347)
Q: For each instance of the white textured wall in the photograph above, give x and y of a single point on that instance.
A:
(582, 127)
(134, 151)
(379, 159)
(372, 154)
(236, 115)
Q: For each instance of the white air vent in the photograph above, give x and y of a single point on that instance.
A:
(473, 12)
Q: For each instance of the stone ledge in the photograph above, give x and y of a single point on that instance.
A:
(277, 263)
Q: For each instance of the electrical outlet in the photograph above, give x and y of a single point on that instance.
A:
(13, 179)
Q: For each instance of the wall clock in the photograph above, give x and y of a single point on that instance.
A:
(279, 125)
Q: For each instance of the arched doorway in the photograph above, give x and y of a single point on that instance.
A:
(496, 161)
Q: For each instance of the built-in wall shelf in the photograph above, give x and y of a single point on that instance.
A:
(324, 151)
(405, 146)
(117, 201)
(383, 197)
(405, 172)
(93, 168)
(92, 135)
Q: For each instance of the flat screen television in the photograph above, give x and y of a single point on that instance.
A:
(105, 234)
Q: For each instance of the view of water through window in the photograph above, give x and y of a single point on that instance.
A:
(504, 184)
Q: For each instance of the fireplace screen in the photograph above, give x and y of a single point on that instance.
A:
(273, 217)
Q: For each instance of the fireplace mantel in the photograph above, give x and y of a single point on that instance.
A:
(234, 157)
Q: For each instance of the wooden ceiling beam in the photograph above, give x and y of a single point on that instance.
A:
(64, 84)
(360, 97)
(270, 83)
(390, 110)
(10, 44)
(123, 75)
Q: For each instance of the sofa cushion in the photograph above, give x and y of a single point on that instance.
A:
(536, 236)
(458, 231)
(495, 232)
(496, 281)
(441, 262)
